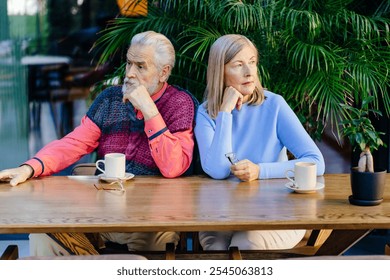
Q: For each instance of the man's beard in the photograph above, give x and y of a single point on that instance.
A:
(134, 83)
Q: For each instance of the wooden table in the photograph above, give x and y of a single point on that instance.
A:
(66, 204)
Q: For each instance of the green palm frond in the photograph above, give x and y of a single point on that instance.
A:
(311, 57)
(190, 74)
(326, 90)
(200, 41)
(119, 32)
(368, 71)
(238, 17)
(353, 25)
(383, 10)
(114, 37)
(296, 20)
(326, 52)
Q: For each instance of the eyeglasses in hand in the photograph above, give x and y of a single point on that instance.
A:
(232, 158)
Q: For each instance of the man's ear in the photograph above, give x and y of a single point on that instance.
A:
(165, 72)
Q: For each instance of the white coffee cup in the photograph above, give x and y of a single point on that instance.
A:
(114, 165)
(305, 175)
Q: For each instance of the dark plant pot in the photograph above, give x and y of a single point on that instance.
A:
(367, 187)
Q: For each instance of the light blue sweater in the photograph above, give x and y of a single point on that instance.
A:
(256, 133)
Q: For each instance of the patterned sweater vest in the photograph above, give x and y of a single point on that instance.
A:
(122, 132)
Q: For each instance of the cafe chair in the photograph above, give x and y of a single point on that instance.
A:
(343, 257)
(232, 254)
(61, 84)
(308, 246)
(42, 80)
(311, 242)
(12, 253)
(84, 169)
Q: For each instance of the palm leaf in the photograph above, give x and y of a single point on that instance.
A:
(200, 41)
(326, 52)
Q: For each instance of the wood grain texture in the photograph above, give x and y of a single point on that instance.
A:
(61, 204)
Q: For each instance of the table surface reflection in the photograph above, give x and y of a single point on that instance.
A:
(198, 203)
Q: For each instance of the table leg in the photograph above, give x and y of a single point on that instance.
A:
(340, 241)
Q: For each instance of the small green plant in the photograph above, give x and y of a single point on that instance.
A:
(361, 133)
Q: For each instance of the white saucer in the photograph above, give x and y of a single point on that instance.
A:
(291, 186)
(103, 177)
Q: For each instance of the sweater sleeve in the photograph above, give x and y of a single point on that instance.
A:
(295, 138)
(214, 140)
(61, 153)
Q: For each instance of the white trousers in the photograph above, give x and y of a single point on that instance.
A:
(251, 240)
(43, 245)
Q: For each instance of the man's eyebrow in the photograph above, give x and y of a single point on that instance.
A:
(139, 62)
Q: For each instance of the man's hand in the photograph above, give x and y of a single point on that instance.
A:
(245, 170)
(141, 100)
(16, 175)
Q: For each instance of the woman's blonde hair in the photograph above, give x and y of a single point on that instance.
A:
(222, 52)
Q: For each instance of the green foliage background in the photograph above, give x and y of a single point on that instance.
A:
(318, 54)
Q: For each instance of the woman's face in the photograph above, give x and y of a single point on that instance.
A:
(241, 71)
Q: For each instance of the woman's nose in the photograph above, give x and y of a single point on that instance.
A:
(247, 71)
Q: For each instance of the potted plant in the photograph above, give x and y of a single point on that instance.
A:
(367, 182)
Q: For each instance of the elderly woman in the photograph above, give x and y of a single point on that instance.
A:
(239, 116)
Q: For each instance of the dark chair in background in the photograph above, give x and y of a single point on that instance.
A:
(43, 80)
(60, 85)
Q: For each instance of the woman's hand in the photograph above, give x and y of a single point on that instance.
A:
(245, 170)
(231, 99)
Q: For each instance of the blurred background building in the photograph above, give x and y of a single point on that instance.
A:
(65, 28)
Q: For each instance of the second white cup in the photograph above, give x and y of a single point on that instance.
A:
(114, 165)
(305, 175)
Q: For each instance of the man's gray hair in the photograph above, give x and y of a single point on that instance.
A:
(165, 52)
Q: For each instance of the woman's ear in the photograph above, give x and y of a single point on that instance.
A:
(165, 72)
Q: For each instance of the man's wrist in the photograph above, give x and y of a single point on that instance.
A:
(150, 112)
(29, 170)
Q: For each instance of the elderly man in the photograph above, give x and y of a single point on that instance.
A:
(148, 120)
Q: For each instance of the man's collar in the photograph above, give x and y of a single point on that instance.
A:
(158, 94)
